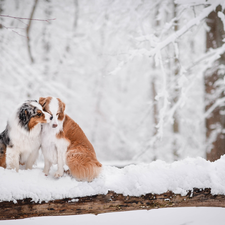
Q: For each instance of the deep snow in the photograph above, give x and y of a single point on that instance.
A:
(156, 177)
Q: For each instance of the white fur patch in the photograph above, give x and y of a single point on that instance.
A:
(54, 109)
(54, 105)
(37, 105)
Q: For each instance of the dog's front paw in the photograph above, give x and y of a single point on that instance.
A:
(45, 172)
(58, 175)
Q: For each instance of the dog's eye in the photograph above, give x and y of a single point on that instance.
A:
(57, 114)
(39, 114)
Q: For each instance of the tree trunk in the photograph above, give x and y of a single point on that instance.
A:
(28, 31)
(175, 91)
(111, 202)
(215, 123)
(1, 12)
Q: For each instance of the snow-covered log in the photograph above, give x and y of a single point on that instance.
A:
(190, 182)
(111, 202)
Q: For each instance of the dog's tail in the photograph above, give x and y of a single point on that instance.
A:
(83, 165)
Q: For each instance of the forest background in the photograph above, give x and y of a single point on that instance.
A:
(144, 78)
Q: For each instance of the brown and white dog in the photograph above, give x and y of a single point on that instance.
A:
(64, 143)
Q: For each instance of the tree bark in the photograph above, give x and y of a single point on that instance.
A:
(111, 202)
(215, 124)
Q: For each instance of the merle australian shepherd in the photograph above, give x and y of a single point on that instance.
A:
(21, 140)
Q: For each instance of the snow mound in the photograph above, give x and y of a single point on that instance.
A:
(156, 177)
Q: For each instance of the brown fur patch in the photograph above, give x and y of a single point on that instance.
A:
(62, 107)
(36, 119)
(60, 134)
(44, 102)
(2, 155)
(80, 157)
(74, 134)
(83, 164)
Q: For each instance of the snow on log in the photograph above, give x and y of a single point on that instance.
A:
(111, 202)
(190, 182)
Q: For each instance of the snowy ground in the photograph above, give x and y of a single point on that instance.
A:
(135, 180)
(171, 216)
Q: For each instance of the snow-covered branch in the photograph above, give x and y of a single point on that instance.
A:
(218, 103)
(170, 39)
(208, 58)
(173, 37)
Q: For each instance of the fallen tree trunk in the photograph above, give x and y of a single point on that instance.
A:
(111, 202)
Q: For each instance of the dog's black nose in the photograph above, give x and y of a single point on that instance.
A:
(51, 117)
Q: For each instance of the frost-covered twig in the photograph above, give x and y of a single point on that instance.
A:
(164, 93)
(21, 18)
(150, 144)
(210, 56)
(12, 29)
(217, 103)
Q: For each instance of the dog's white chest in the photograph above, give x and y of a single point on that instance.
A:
(51, 146)
(25, 141)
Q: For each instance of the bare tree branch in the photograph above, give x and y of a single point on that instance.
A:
(12, 29)
(28, 25)
(21, 18)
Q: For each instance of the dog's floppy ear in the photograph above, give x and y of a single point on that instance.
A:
(24, 115)
(62, 107)
(42, 101)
